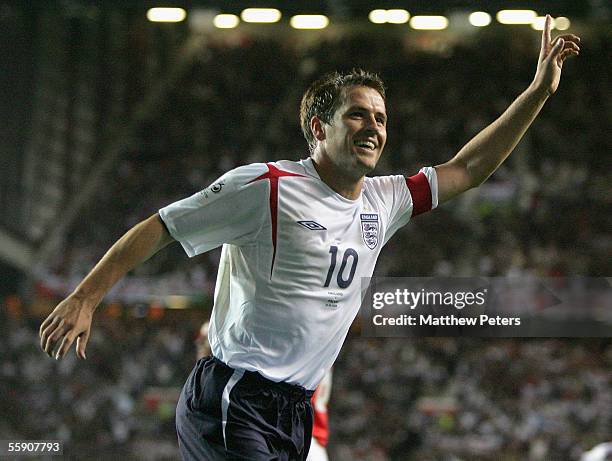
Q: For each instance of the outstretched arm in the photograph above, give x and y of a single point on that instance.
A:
(71, 319)
(480, 157)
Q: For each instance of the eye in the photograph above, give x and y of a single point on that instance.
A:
(381, 120)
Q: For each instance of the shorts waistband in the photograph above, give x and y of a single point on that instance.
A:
(294, 391)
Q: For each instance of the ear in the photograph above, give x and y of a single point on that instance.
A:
(318, 130)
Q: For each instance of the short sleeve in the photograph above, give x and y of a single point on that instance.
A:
(405, 197)
(423, 189)
(231, 210)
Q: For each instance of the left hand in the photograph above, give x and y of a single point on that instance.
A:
(552, 57)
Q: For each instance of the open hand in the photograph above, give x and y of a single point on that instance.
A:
(70, 320)
(552, 57)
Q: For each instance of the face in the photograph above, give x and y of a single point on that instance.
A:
(356, 137)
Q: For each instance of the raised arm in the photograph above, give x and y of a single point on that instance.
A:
(71, 319)
(480, 157)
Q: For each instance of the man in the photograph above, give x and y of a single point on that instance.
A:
(297, 237)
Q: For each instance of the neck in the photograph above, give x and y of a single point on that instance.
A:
(336, 178)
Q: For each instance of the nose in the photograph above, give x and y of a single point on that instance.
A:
(371, 123)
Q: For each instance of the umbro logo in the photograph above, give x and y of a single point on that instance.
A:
(311, 225)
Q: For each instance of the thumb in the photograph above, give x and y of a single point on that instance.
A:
(81, 344)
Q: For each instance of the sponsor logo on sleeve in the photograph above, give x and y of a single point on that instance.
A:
(216, 188)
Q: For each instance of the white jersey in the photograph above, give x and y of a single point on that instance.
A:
(289, 281)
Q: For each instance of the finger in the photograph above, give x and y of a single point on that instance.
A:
(64, 346)
(570, 38)
(49, 325)
(45, 324)
(81, 344)
(571, 46)
(546, 32)
(566, 43)
(545, 45)
(57, 322)
(554, 53)
(567, 53)
(53, 337)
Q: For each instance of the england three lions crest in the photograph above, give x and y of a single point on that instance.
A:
(369, 229)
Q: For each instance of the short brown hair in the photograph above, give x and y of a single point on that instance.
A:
(324, 96)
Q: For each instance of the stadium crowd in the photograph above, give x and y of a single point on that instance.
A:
(472, 399)
(393, 399)
(425, 399)
(221, 116)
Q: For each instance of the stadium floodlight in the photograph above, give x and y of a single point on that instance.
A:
(397, 16)
(480, 19)
(261, 15)
(166, 14)
(429, 22)
(378, 16)
(226, 21)
(516, 16)
(309, 21)
(562, 23)
(538, 23)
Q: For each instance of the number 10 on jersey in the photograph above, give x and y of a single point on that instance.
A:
(340, 277)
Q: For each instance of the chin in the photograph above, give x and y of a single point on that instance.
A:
(358, 166)
(366, 164)
(366, 167)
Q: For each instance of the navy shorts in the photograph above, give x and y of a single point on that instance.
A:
(227, 414)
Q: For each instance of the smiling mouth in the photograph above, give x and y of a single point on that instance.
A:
(367, 145)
